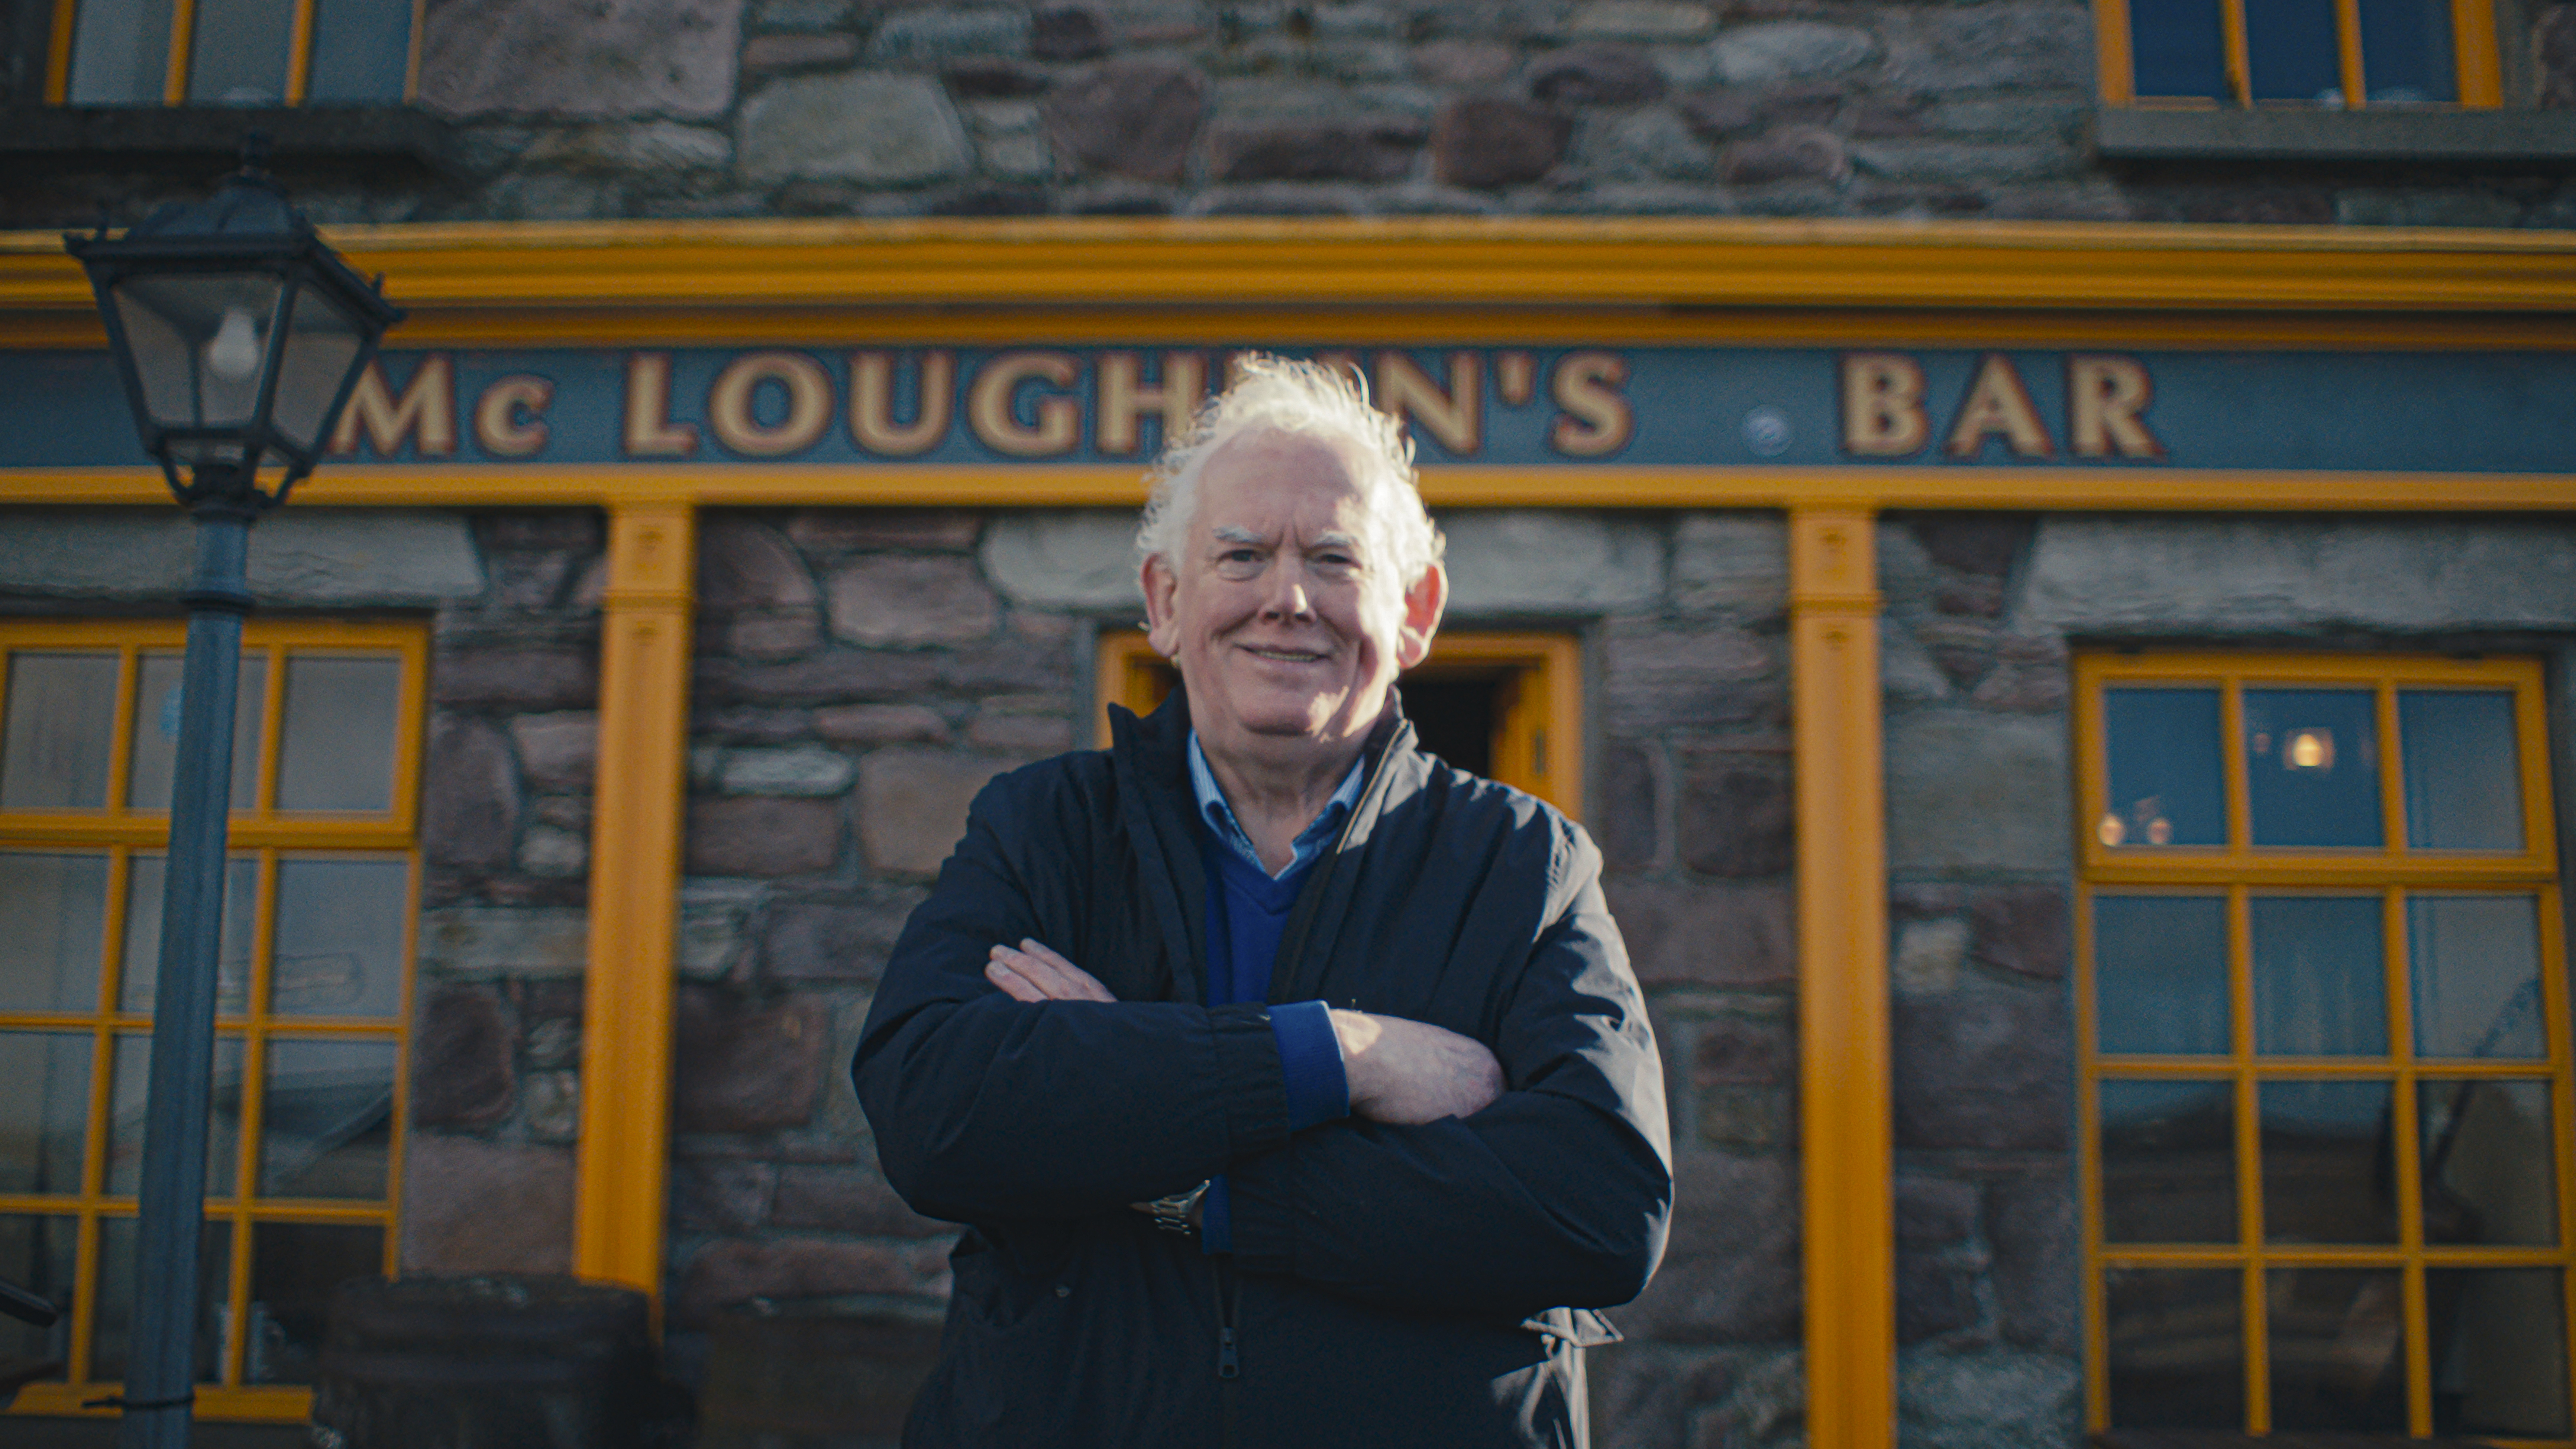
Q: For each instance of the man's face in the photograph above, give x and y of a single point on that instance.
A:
(1285, 622)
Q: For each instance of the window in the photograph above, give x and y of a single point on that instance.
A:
(233, 52)
(313, 987)
(1507, 706)
(2335, 54)
(2324, 1045)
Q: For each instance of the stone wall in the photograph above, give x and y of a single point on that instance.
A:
(766, 108)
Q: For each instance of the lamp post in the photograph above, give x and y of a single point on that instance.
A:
(239, 335)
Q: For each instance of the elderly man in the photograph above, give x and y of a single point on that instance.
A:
(1293, 1083)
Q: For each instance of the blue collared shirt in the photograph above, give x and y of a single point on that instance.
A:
(1310, 842)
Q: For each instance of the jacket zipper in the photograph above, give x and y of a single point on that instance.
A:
(1228, 1367)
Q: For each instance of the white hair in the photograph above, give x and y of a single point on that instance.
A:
(1311, 399)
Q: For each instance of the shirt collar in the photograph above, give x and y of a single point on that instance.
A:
(1310, 842)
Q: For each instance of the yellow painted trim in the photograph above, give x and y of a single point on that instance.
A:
(2240, 66)
(622, 1164)
(299, 51)
(58, 52)
(2348, 54)
(2113, 66)
(1846, 1158)
(2479, 63)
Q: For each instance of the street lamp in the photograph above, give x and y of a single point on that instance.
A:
(240, 336)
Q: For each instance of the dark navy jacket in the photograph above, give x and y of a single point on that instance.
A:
(1410, 1286)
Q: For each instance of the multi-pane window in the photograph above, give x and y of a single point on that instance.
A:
(312, 985)
(233, 52)
(2335, 54)
(2324, 1046)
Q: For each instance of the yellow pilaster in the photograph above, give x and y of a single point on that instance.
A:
(1845, 1151)
(618, 1202)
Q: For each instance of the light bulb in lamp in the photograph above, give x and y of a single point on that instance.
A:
(234, 353)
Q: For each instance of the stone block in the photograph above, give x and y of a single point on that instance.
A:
(2022, 929)
(848, 1200)
(1961, 163)
(553, 1105)
(1928, 956)
(1129, 117)
(899, 599)
(1685, 934)
(320, 557)
(504, 940)
(792, 51)
(1733, 814)
(746, 1066)
(463, 1059)
(1065, 559)
(1907, 672)
(747, 566)
(557, 752)
(1626, 805)
(1069, 32)
(912, 805)
(736, 1270)
(845, 530)
(991, 78)
(1657, 677)
(1983, 1068)
(835, 941)
(471, 1206)
(931, 35)
(645, 146)
(1738, 1050)
(1730, 1273)
(1595, 74)
(2553, 44)
(1665, 20)
(877, 130)
(1731, 562)
(750, 725)
(554, 852)
(1532, 561)
(1009, 664)
(1462, 64)
(1972, 792)
(1790, 153)
(1486, 142)
(759, 835)
(879, 724)
(1649, 143)
(1021, 734)
(1745, 1118)
(671, 58)
(1934, 1295)
(711, 937)
(1934, 1211)
(2029, 45)
(2266, 576)
(1324, 149)
(469, 807)
(1782, 50)
(504, 678)
(2030, 1223)
(1989, 1399)
(798, 770)
(831, 677)
(721, 1194)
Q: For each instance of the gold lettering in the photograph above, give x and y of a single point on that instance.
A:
(650, 433)
(1883, 405)
(872, 424)
(509, 419)
(1059, 418)
(1515, 378)
(1122, 397)
(1455, 417)
(1998, 403)
(809, 404)
(1595, 419)
(426, 412)
(2104, 396)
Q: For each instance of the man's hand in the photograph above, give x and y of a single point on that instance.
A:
(1410, 1072)
(1036, 972)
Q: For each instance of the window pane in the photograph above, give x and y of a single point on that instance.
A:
(2290, 48)
(156, 731)
(361, 49)
(41, 1255)
(2326, 1148)
(62, 711)
(2406, 52)
(141, 973)
(338, 749)
(293, 1268)
(327, 1119)
(109, 1337)
(44, 1113)
(2176, 1348)
(2338, 1348)
(2165, 789)
(120, 53)
(2319, 976)
(2177, 48)
(2474, 963)
(128, 1093)
(339, 945)
(2312, 766)
(2499, 1351)
(2463, 772)
(2487, 1163)
(2168, 1162)
(237, 54)
(56, 910)
(2160, 973)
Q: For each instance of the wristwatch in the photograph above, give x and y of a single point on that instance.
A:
(1177, 1213)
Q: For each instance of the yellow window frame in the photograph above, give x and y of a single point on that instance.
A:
(1538, 732)
(183, 29)
(2477, 64)
(260, 834)
(2236, 872)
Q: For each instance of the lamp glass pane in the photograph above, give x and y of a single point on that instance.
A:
(200, 340)
(237, 52)
(321, 347)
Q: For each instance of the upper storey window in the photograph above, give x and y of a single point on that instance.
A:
(233, 52)
(2331, 54)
